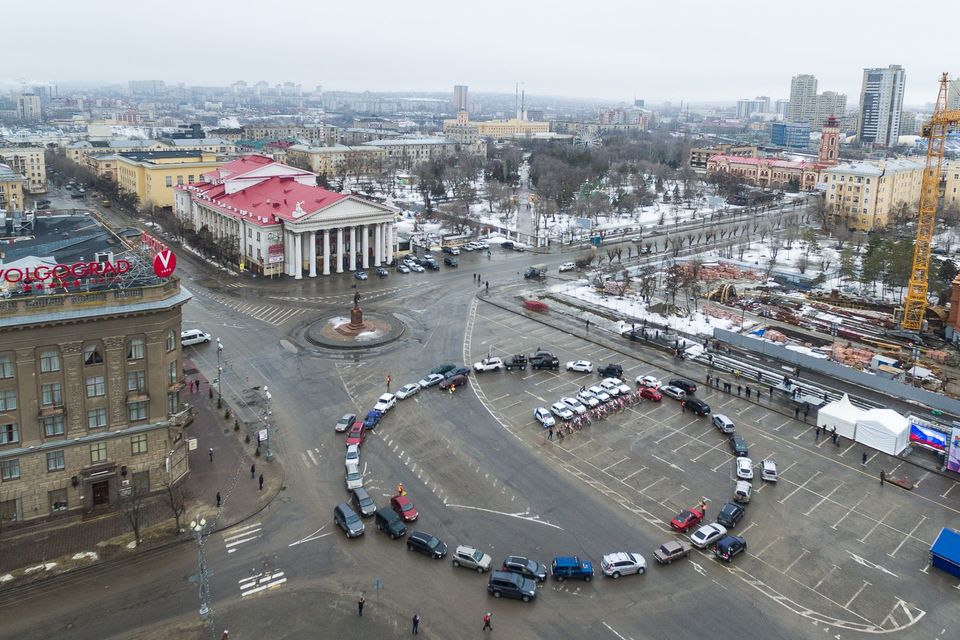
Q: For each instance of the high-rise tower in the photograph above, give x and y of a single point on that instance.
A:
(881, 104)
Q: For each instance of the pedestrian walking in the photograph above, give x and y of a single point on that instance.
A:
(747, 391)
(683, 406)
(806, 412)
(486, 621)
(708, 379)
(817, 439)
(770, 391)
(796, 413)
(211, 454)
(588, 324)
(218, 500)
(560, 435)
(863, 458)
(253, 471)
(716, 383)
(550, 434)
(833, 434)
(759, 376)
(261, 483)
(360, 604)
(883, 476)
(739, 389)
(416, 623)
(487, 286)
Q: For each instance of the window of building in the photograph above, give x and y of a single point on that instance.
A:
(141, 482)
(180, 180)
(135, 349)
(8, 511)
(55, 461)
(98, 452)
(8, 400)
(49, 361)
(138, 444)
(92, 355)
(169, 181)
(96, 386)
(51, 395)
(97, 418)
(137, 411)
(173, 403)
(258, 236)
(53, 426)
(6, 367)
(171, 341)
(9, 433)
(10, 470)
(58, 500)
(137, 381)
(174, 373)
(190, 178)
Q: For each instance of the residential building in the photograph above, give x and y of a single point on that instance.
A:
(284, 223)
(459, 97)
(699, 156)
(12, 186)
(863, 195)
(951, 184)
(953, 95)
(29, 162)
(790, 134)
(206, 145)
(803, 97)
(746, 108)
(621, 116)
(410, 152)
(28, 108)
(462, 130)
(881, 104)
(356, 135)
(827, 104)
(151, 175)
(90, 374)
(780, 108)
(104, 166)
(77, 152)
(330, 160)
(313, 133)
(908, 124)
(770, 173)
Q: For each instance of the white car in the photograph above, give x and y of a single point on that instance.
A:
(385, 402)
(707, 535)
(768, 470)
(482, 244)
(574, 405)
(567, 266)
(353, 455)
(488, 364)
(417, 268)
(430, 380)
(674, 392)
(612, 388)
(403, 268)
(599, 393)
(354, 478)
(588, 399)
(744, 468)
(193, 336)
(407, 390)
(580, 366)
(543, 417)
(561, 411)
(623, 563)
(649, 381)
(622, 389)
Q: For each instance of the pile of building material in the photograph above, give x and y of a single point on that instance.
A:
(851, 356)
(724, 271)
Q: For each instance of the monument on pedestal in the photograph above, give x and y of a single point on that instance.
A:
(356, 315)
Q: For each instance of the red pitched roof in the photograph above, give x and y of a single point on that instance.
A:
(267, 202)
(239, 166)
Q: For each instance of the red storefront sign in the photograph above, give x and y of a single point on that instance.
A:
(164, 263)
(42, 273)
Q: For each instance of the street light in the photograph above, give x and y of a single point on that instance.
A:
(267, 416)
(197, 525)
(219, 375)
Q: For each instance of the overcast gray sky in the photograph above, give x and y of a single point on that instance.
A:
(617, 49)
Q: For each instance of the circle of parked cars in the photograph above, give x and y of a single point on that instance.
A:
(519, 576)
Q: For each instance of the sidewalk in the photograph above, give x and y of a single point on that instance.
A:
(107, 535)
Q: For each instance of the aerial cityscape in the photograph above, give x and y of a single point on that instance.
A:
(532, 320)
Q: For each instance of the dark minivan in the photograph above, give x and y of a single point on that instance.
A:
(388, 521)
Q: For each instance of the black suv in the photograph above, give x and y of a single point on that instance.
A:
(511, 585)
(739, 446)
(525, 567)
(730, 514)
(451, 262)
(610, 371)
(426, 544)
(699, 407)
(516, 362)
(544, 360)
(729, 546)
(457, 371)
(686, 385)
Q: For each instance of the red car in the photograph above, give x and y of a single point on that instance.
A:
(404, 508)
(356, 434)
(686, 519)
(649, 393)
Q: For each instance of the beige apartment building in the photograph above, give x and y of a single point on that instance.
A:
(700, 155)
(461, 129)
(409, 152)
(862, 195)
(951, 188)
(12, 185)
(328, 160)
(30, 163)
(152, 175)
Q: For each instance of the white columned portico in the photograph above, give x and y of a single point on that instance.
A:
(326, 252)
(287, 258)
(378, 244)
(366, 247)
(353, 248)
(340, 250)
(312, 239)
(389, 242)
(298, 263)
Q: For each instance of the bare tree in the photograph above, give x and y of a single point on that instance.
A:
(132, 505)
(775, 245)
(802, 262)
(176, 496)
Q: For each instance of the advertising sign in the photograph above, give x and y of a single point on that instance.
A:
(164, 263)
(274, 259)
(953, 460)
(57, 274)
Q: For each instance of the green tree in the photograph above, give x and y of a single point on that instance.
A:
(848, 264)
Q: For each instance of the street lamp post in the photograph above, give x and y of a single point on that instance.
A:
(198, 525)
(267, 418)
(219, 375)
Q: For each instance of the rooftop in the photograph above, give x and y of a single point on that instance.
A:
(6, 173)
(876, 168)
(772, 162)
(147, 156)
(66, 238)
(407, 142)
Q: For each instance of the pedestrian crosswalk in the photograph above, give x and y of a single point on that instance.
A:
(271, 314)
(311, 457)
(236, 537)
(260, 582)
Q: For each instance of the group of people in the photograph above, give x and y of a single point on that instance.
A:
(415, 620)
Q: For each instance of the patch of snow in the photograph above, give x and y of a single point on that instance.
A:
(6, 578)
(40, 567)
(86, 555)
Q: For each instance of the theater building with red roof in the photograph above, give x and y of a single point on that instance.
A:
(284, 224)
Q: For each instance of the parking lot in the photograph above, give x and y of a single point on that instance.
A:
(827, 541)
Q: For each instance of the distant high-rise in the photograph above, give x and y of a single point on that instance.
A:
(146, 87)
(881, 103)
(953, 95)
(638, 103)
(780, 107)
(459, 97)
(28, 108)
(803, 98)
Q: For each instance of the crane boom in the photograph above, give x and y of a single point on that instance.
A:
(935, 132)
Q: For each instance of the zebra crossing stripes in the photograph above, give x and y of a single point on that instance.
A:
(310, 457)
(244, 534)
(260, 582)
(268, 313)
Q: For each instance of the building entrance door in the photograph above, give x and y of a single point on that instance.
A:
(101, 493)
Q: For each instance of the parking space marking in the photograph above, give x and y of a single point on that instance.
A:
(799, 558)
(801, 486)
(598, 453)
(823, 499)
(534, 395)
(623, 459)
(674, 495)
(783, 425)
(582, 444)
(506, 395)
(851, 510)
(829, 573)
(854, 596)
(694, 440)
(877, 524)
(749, 526)
(768, 545)
(722, 464)
(907, 537)
(642, 468)
(944, 494)
(651, 485)
(719, 444)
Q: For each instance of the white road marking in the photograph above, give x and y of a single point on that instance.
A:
(823, 499)
(669, 464)
(877, 524)
(312, 458)
(615, 632)
(854, 596)
(803, 553)
(852, 509)
(260, 582)
(623, 459)
(316, 535)
(907, 537)
(870, 565)
(523, 515)
(800, 486)
(829, 573)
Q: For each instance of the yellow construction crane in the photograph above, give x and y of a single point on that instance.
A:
(935, 131)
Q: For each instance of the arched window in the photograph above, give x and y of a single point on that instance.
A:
(92, 354)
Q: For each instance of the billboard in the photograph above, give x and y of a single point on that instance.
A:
(953, 459)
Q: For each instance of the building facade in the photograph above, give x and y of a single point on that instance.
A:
(790, 134)
(951, 184)
(863, 195)
(30, 162)
(28, 108)
(461, 130)
(769, 173)
(12, 186)
(459, 97)
(803, 97)
(881, 104)
(284, 224)
(330, 160)
(151, 175)
(407, 153)
(700, 156)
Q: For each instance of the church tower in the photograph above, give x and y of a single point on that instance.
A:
(830, 142)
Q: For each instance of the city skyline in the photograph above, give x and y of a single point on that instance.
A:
(600, 58)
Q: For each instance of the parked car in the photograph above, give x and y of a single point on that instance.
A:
(574, 405)
(707, 535)
(729, 546)
(363, 503)
(525, 567)
(610, 371)
(580, 366)
(372, 419)
(454, 251)
(744, 468)
(403, 268)
(404, 508)
(567, 266)
(739, 446)
(385, 402)
(407, 390)
(672, 550)
(193, 336)
(544, 361)
(426, 544)
(417, 268)
(455, 381)
(511, 585)
(516, 362)
(348, 520)
(488, 364)
(697, 406)
(599, 393)
(430, 380)
(561, 411)
(768, 470)
(431, 264)
(730, 514)
(356, 434)
(383, 273)
(686, 519)
(623, 563)
(451, 262)
(686, 385)
(622, 389)
(352, 455)
(588, 399)
(443, 368)
(388, 521)
(344, 423)
(723, 423)
(673, 392)
(743, 490)
(470, 558)
(353, 477)
(612, 388)
(544, 417)
(457, 371)
(564, 567)
(360, 275)
(649, 393)
(649, 381)
(507, 245)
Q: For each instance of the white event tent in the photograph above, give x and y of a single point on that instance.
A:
(841, 415)
(884, 430)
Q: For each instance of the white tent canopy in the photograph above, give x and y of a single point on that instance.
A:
(842, 416)
(884, 430)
